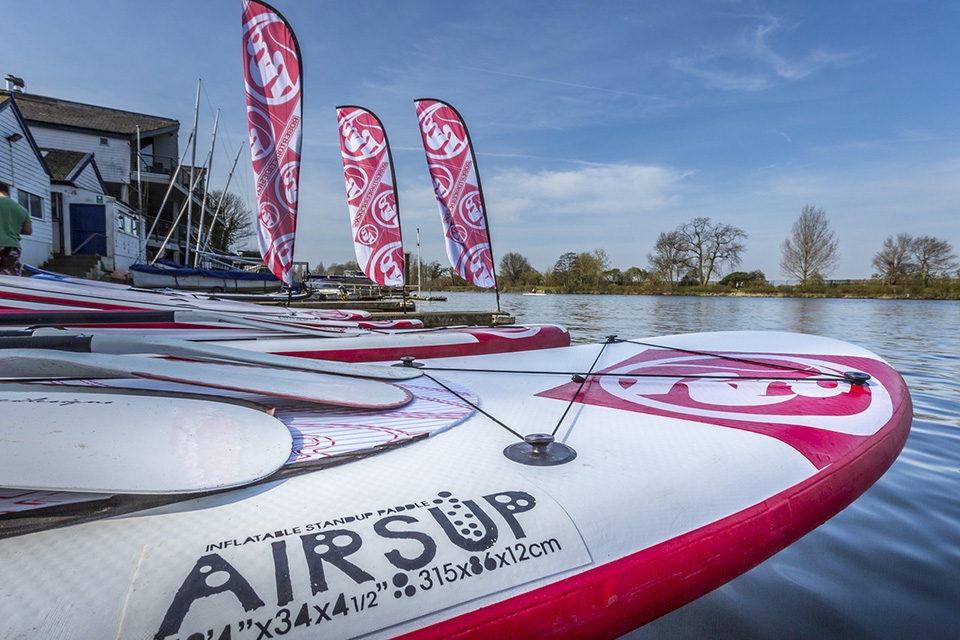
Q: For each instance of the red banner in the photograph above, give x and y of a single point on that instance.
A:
(371, 195)
(271, 68)
(457, 186)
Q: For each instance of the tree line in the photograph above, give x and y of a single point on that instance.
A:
(700, 252)
(696, 253)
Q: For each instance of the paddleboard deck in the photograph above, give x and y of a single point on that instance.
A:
(697, 457)
(430, 343)
(41, 293)
(18, 364)
(56, 439)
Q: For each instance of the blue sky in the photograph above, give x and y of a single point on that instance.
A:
(595, 126)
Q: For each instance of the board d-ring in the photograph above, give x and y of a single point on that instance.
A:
(540, 450)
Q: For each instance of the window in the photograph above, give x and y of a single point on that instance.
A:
(104, 141)
(31, 203)
(121, 222)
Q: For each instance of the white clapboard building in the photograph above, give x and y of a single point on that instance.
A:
(77, 167)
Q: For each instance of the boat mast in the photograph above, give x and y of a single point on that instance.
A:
(173, 227)
(206, 184)
(140, 249)
(166, 196)
(223, 195)
(193, 162)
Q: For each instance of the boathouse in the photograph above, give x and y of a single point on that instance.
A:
(93, 179)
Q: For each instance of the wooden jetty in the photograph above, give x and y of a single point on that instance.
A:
(393, 309)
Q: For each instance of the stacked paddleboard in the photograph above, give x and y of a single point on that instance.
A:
(568, 492)
(326, 334)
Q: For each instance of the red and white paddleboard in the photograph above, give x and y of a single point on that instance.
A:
(685, 460)
(73, 294)
(428, 343)
(256, 327)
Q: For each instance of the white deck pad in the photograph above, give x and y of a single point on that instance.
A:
(135, 344)
(307, 386)
(57, 438)
(317, 431)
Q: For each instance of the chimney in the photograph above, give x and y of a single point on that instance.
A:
(15, 84)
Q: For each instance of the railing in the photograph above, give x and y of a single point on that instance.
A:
(165, 165)
(162, 165)
(93, 235)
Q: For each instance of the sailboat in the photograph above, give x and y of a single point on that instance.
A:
(217, 275)
(164, 274)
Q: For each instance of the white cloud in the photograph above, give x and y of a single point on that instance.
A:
(610, 191)
(783, 67)
(748, 62)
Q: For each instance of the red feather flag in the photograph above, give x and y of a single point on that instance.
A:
(273, 73)
(453, 168)
(371, 195)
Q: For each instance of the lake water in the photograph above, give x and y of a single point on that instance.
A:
(888, 566)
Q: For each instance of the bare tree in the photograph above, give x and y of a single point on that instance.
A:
(667, 258)
(892, 262)
(234, 221)
(811, 249)
(432, 270)
(932, 256)
(709, 246)
(337, 269)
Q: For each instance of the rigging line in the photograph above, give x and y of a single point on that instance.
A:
(226, 131)
(207, 96)
(823, 377)
(723, 357)
(583, 381)
(477, 407)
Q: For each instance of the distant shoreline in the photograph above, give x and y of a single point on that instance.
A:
(944, 291)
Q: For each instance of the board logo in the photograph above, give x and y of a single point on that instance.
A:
(351, 573)
(785, 397)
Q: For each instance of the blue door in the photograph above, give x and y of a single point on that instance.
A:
(88, 229)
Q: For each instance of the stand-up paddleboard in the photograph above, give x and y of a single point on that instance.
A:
(130, 344)
(73, 294)
(677, 464)
(63, 295)
(429, 343)
(30, 302)
(70, 439)
(285, 383)
(360, 346)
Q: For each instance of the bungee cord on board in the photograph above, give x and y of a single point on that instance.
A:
(854, 378)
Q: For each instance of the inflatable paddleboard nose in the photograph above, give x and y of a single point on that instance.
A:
(540, 450)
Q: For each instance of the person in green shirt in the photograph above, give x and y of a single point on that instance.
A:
(14, 222)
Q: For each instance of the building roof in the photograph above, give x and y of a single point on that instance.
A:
(66, 166)
(62, 163)
(76, 116)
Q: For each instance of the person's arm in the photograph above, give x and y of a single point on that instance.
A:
(27, 228)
